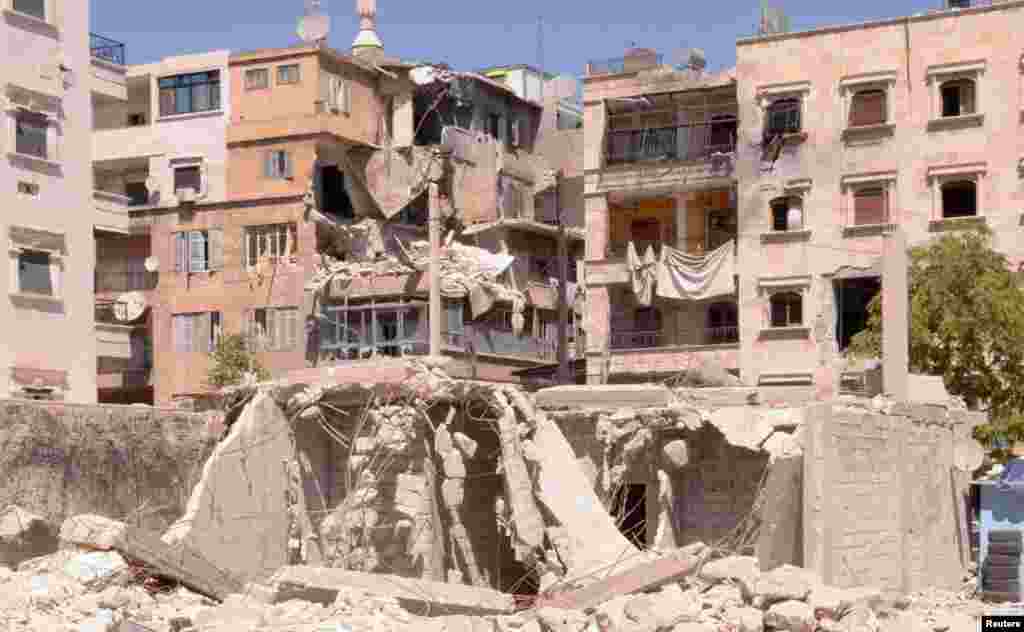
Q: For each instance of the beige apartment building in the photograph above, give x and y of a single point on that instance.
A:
(841, 134)
(55, 74)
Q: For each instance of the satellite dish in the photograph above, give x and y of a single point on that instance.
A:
(152, 264)
(130, 306)
(423, 75)
(314, 25)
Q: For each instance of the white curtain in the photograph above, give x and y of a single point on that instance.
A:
(688, 277)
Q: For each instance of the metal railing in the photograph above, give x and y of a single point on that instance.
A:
(637, 339)
(120, 281)
(726, 334)
(684, 142)
(106, 49)
(111, 312)
(617, 65)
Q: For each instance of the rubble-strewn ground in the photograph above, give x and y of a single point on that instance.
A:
(75, 590)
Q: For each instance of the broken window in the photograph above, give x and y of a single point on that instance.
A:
(870, 206)
(196, 332)
(34, 274)
(199, 250)
(783, 117)
(137, 193)
(273, 328)
(184, 94)
(30, 133)
(188, 178)
(852, 298)
(335, 199)
(722, 324)
(35, 8)
(957, 97)
(959, 199)
(787, 309)
(868, 107)
(722, 135)
(277, 164)
(630, 513)
(257, 78)
(269, 243)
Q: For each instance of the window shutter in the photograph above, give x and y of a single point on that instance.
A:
(216, 247)
(201, 332)
(180, 252)
(325, 89)
(346, 95)
(967, 97)
(287, 164)
(179, 332)
(869, 207)
(197, 251)
(268, 165)
(868, 108)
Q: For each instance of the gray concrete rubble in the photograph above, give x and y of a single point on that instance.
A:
(24, 535)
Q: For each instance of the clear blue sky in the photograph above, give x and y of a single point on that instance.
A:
(471, 34)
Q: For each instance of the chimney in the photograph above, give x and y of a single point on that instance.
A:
(367, 44)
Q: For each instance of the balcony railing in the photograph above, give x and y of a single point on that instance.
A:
(637, 339)
(617, 65)
(685, 142)
(125, 281)
(106, 49)
(726, 334)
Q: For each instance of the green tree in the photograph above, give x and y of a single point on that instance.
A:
(966, 324)
(231, 360)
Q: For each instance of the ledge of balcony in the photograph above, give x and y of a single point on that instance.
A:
(956, 122)
(956, 223)
(866, 131)
(785, 333)
(868, 230)
(785, 236)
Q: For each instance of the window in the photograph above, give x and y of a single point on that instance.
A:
(288, 74)
(514, 133)
(870, 206)
(278, 164)
(137, 193)
(135, 120)
(723, 323)
(957, 97)
(273, 328)
(198, 332)
(959, 199)
(502, 319)
(185, 94)
(257, 79)
(722, 135)
(868, 107)
(269, 242)
(188, 178)
(28, 188)
(34, 275)
(30, 133)
(780, 214)
(494, 126)
(335, 93)
(783, 117)
(786, 309)
(35, 8)
(199, 250)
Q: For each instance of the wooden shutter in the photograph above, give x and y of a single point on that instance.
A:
(215, 239)
(868, 108)
(869, 206)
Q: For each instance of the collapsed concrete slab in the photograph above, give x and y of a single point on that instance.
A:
(24, 535)
(606, 396)
(244, 512)
(178, 562)
(322, 585)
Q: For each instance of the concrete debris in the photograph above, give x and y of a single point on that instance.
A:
(795, 616)
(744, 571)
(608, 397)
(785, 583)
(24, 535)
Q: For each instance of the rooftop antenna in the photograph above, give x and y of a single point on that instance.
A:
(314, 25)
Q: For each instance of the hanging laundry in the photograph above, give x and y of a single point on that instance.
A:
(642, 273)
(696, 278)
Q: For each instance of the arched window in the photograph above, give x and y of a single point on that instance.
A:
(868, 107)
(722, 323)
(783, 117)
(957, 97)
(787, 309)
(959, 199)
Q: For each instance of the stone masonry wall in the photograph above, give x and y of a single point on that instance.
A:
(136, 464)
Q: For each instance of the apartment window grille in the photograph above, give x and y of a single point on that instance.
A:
(868, 107)
(288, 74)
(257, 79)
(34, 273)
(199, 250)
(957, 97)
(278, 164)
(35, 8)
(191, 93)
(30, 133)
(273, 328)
(783, 117)
(959, 199)
(870, 206)
(196, 332)
(269, 242)
(786, 309)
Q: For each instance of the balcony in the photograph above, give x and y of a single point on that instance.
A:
(111, 211)
(108, 74)
(655, 338)
(680, 143)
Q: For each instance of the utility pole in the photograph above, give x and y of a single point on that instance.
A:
(564, 375)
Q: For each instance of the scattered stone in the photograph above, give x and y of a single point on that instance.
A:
(24, 535)
(785, 583)
(795, 616)
(744, 570)
(746, 619)
(558, 620)
(859, 619)
(723, 596)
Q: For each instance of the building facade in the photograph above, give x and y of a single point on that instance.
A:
(55, 73)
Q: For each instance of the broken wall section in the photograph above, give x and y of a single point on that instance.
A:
(131, 463)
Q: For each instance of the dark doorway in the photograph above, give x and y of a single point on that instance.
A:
(852, 298)
(631, 513)
(645, 232)
(335, 198)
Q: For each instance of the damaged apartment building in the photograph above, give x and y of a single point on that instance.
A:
(284, 194)
(736, 220)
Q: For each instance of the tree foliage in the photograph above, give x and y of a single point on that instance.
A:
(966, 324)
(231, 361)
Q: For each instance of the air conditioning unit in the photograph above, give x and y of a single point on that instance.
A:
(186, 195)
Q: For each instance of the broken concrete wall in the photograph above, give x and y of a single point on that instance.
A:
(879, 504)
(244, 513)
(132, 463)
